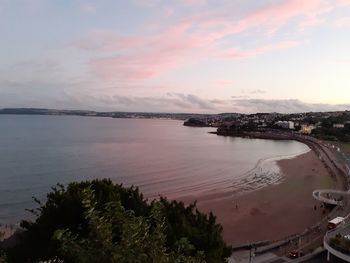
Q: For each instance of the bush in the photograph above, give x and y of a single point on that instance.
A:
(71, 215)
(340, 243)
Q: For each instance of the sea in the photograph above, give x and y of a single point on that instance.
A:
(161, 157)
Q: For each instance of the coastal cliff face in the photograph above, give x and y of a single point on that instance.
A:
(232, 130)
(195, 123)
(256, 134)
(225, 131)
(236, 131)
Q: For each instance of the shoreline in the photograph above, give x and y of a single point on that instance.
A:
(275, 211)
(265, 173)
(260, 206)
(261, 215)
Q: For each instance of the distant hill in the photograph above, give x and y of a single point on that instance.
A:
(138, 115)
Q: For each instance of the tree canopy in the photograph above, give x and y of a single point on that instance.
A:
(99, 221)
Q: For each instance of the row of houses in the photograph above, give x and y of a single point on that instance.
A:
(307, 128)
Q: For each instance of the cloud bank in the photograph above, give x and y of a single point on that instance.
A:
(170, 102)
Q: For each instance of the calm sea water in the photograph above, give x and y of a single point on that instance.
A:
(159, 156)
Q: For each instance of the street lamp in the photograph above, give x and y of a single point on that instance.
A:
(250, 253)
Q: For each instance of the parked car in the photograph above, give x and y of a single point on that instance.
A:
(295, 253)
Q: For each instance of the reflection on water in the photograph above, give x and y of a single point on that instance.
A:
(159, 156)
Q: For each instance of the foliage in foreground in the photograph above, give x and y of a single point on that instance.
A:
(141, 239)
(99, 221)
(340, 243)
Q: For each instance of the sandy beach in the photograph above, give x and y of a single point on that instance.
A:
(275, 211)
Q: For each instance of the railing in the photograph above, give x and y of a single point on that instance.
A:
(319, 195)
(334, 250)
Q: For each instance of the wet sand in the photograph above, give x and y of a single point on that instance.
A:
(275, 211)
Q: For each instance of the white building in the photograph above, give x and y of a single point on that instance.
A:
(285, 124)
(338, 125)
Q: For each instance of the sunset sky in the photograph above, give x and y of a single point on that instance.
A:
(205, 56)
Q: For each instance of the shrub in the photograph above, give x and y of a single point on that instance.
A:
(70, 214)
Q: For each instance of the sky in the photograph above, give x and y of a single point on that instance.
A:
(202, 56)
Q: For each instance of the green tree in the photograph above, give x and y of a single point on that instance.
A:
(66, 210)
(141, 239)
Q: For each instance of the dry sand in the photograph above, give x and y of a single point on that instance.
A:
(275, 211)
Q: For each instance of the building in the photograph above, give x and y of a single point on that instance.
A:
(285, 124)
(338, 125)
(306, 128)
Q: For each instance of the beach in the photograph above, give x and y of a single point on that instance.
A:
(275, 211)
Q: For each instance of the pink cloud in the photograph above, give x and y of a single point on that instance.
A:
(145, 65)
(343, 2)
(196, 37)
(236, 53)
(150, 57)
(276, 16)
(310, 22)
